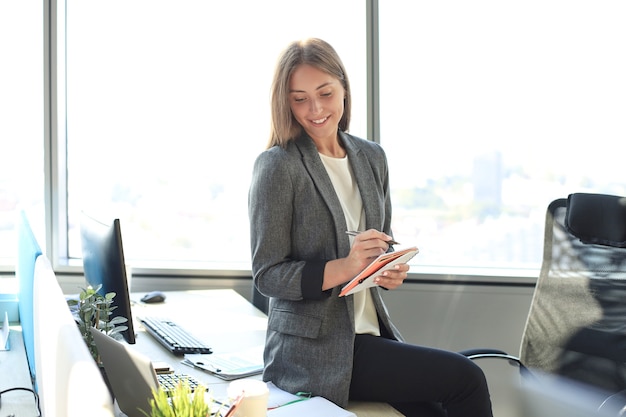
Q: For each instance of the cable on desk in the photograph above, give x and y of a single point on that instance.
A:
(23, 389)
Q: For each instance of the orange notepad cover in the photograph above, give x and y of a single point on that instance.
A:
(365, 279)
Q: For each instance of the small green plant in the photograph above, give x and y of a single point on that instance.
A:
(179, 403)
(94, 310)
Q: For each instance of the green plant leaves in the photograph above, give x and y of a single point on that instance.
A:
(179, 403)
(95, 310)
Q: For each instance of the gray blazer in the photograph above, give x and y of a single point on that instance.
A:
(296, 226)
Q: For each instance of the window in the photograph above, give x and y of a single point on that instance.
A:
(489, 111)
(21, 122)
(167, 108)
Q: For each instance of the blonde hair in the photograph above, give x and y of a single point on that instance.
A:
(314, 52)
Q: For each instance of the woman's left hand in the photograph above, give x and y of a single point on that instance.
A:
(393, 278)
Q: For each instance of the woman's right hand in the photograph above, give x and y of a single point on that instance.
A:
(366, 247)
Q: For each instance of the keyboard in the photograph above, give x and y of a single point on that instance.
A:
(173, 337)
(169, 382)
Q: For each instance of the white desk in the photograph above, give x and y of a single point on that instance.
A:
(222, 318)
(14, 373)
(227, 322)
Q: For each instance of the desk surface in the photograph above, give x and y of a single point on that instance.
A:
(14, 373)
(227, 322)
(222, 318)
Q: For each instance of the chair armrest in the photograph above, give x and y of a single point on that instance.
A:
(480, 353)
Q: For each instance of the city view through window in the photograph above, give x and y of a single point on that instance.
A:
(488, 112)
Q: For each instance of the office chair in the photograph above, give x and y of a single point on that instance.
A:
(576, 325)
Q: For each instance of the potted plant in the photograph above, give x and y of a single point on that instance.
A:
(95, 310)
(180, 403)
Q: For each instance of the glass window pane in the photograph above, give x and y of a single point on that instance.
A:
(167, 107)
(21, 122)
(489, 111)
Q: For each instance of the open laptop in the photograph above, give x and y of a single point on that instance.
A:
(131, 375)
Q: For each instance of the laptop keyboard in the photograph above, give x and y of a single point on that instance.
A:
(168, 382)
(173, 337)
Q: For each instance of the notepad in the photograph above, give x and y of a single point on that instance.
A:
(365, 279)
(228, 365)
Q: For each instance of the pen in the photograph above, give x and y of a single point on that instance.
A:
(354, 233)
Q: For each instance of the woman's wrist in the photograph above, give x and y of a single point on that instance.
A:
(337, 272)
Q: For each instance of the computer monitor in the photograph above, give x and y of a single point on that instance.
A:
(28, 252)
(103, 264)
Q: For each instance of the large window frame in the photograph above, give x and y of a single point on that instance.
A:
(55, 135)
(57, 221)
(55, 146)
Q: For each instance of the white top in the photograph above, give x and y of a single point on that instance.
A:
(340, 173)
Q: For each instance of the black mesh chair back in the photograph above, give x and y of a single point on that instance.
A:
(576, 325)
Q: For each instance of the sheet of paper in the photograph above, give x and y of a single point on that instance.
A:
(313, 407)
(279, 397)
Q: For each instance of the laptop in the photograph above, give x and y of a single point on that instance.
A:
(132, 376)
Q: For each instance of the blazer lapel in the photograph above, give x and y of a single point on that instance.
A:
(317, 171)
(365, 179)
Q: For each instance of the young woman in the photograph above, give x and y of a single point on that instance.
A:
(312, 184)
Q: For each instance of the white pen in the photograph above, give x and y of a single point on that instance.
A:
(354, 233)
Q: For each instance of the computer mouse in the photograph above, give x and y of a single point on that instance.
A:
(153, 297)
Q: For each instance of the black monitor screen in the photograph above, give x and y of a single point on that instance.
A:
(103, 264)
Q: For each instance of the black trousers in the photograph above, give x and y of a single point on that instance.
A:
(418, 381)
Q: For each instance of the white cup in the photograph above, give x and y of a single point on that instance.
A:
(255, 396)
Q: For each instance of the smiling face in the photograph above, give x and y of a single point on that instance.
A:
(316, 99)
